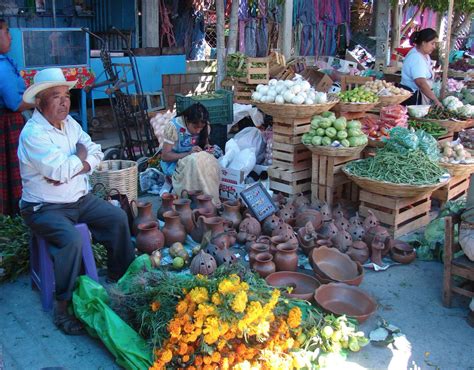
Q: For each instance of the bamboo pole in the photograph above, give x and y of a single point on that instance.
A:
(447, 49)
(220, 43)
(287, 29)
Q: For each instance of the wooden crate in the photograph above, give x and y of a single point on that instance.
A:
(445, 139)
(290, 129)
(399, 215)
(242, 91)
(289, 182)
(258, 71)
(291, 156)
(456, 188)
(327, 170)
(348, 192)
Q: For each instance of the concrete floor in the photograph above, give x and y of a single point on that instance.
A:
(408, 297)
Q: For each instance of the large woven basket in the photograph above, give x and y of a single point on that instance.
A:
(391, 189)
(376, 143)
(331, 151)
(354, 107)
(451, 125)
(291, 111)
(117, 174)
(385, 101)
(458, 169)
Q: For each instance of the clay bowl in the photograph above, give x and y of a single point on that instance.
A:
(356, 281)
(402, 252)
(343, 299)
(332, 264)
(303, 285)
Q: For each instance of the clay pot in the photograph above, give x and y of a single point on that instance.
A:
(402, 252)
(203, 263)
(219, 236)
(286, 258)
(173, 230)
(205, 201)
(263, 264)
(221, 255)
(357, 232)
(197, 233)
(359, 251)
(288, 232)
(326, 212)
(324, 243)
(231, 213)
(167, 200)
(276, 240)
(356, 220)
(149, 238)
(370, 221)
(307, 238)
(328, 230)
(342, 241)
(311, 215)
(376, 248)
(192, 194)
(341, 222)
(287, 215)
(255, 249)
(144, 215)
(303, 285)
(265, 239)
(300, 202)
(279, 199)
(339, 212)
(183, 207)
(250, 225)
(383, 236)
(270, 224)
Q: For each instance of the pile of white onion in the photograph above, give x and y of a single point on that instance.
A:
(288, 92)
(159, 122)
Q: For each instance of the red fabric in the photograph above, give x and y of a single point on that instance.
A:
(403, 51)
(85, 76)
(11, 125)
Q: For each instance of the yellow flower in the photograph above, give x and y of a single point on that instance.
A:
(174, 328)
(294, 317)
(181, 307)
(239, 302)
(244, 286)
(199, 295)
(227, 286)
(211, 330)
(155, 306)
(166, 356)
(216, 299)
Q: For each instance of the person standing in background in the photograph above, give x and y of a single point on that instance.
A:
(12, 87)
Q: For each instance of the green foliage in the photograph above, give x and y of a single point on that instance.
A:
(465, 6)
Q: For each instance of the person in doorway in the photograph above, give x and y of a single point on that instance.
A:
(184, 155)
(56, 156)
(417, 72)
(12, 87)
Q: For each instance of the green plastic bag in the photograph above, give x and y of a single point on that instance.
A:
(90, 300)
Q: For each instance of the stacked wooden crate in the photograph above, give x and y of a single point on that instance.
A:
(456, 188)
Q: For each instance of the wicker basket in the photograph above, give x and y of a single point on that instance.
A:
(456, 170)
(391, 189)
(354, 107)
(331, 151)
(291, 111)
(451, 125)
(117, 174)
(385, 101)
(376, 143)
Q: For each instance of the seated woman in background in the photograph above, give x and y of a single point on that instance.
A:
(184, 157)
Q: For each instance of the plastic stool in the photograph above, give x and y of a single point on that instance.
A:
(41, 265)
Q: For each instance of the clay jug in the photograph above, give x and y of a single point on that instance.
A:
(199, 228)
(149, 238)
(286, 258)
(276, 240)
(219, 236)
(167, 200)
(205, 201)
(263, 264)
(173, 230)
(231, 213)
(359, 251)
(183, 207)
(270, 224)
(192, 195)
(286, 231)
(255, 249)
(143, 215)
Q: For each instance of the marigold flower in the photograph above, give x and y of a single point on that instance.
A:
(227, 286)
(198, 360)
(183, 349)
(207, 360)
(216, 356)
(294, 317)
(155, 306)
(199, 295)
(221, 344)
(174, 328)
(181, 307)
(239, 302)
(166, 356)
(185, 358)
(216, 299)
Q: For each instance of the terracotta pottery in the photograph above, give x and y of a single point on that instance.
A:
(183, 207)
(300, 202)
(333, 264)
(286, 257)
(359, 251)
(143, 215)
(357, 232)
(265, 239)
(339, 212)
(219, 236)
(287, 214)
(231, 213)
(203, 263)
(324, 243)
(383, 235)
(167, 200)
(303, 286)
(307, 238)
(263, 264)
(309, 215)
(328, 230)
(255, 249)
(270, 224)
(221, 255)
(342, 241)
(192, 194)
(376, 248)
(341, 222)
(288, 232)
(199, 228)
(250, 225)
(149, 238)
(173, 230)
(276, 240)
(205, 201)
(249, 241)
(279, 199)
(370, 221)
(356, 220)
(326, 212)
(402, 252)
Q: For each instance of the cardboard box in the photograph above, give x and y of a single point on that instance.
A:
(319, 80)
(232, 177)
(229, 191)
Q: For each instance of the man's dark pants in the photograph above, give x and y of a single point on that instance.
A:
(55, 223)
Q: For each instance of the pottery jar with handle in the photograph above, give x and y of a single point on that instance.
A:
(183, 207)
(173, 230)
(144, 214)
(167, 200)
(198, 215)
(231, 213)
(192, 194)
(205, 201)
(149, 238)
(286, 258)
(263, 264)
(255, 249)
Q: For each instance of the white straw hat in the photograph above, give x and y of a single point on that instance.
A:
(49, 77)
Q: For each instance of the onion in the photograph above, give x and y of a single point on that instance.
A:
(264, 90)
(289, 84)
(288, 96)
(309, 101)
(296, 88)
(259, 87)
(279, 99)
(305, 85)
(298, 100)
(272, 82)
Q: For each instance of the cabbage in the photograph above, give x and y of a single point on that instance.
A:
(466, 110)
(452, 103)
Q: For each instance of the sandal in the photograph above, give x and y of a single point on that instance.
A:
(68, 324)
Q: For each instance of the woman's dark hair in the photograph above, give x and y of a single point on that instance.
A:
(3, 23)
(198, 114)
(425, 35)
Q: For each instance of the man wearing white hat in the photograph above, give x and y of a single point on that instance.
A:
(56, 156)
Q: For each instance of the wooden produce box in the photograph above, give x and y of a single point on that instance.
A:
(456, 188)
(242, 91)
(289, 182)
(256, 71)
(399, 215)
(328, 181)
(290, 131)
(291, 156)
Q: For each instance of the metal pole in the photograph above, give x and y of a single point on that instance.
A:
(287, 29)
(54, 13)
(447, 49)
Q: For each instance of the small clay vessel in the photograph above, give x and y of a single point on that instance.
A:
(324, 243)
(255, 249)
(356, 220)
(149, 238)
(167, 200)
(359, 251)
(231, 213)
(183, 207)
(402, 252)
(221, 255)
(250, 225)
(339, 212)
(219, 236)
(287, 214)
(357, 232)
(326, 212)
(342, 241)
(370, 221)
(203, 263)
(173, 230)
(383, 235)
(341, 222)
(279, 199)
(205, 201)
(199, 228)
(300, 202)
(192, 194)
(307, 238)
(376, 251)
(265, 239)
(328, 230)
(288, 232)
(275, 241)
(263, 264)
(270, 224)
(308, 215)
(286, 258)
(143, 215)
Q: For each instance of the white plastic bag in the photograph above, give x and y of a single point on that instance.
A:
(231, 150)
(244, 161)
(251, 137)
(151, 177)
